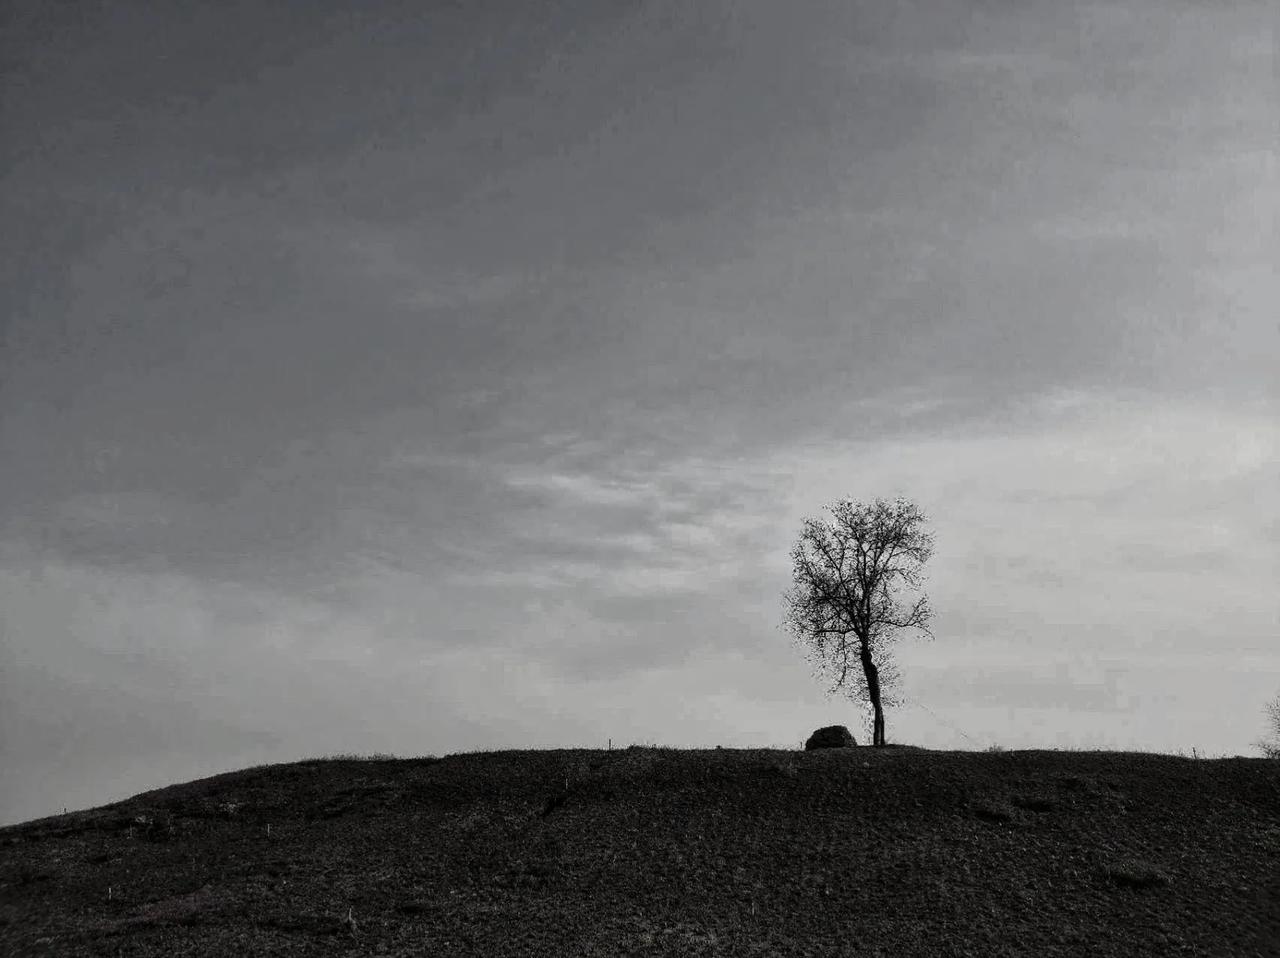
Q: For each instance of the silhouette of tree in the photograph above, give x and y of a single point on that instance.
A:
(843, 606)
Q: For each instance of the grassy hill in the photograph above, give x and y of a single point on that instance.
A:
(650, 851)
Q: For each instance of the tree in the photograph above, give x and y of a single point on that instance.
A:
(1271, 748)
(843, 605)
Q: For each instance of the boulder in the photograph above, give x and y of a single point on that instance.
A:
(833, 736)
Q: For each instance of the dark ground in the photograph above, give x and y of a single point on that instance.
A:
(648, 851)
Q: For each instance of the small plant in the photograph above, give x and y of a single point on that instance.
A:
(996, 748)
(1271, 747)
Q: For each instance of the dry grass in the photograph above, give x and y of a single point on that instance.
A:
(651, 851)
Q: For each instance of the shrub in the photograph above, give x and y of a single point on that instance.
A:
(1271, 747)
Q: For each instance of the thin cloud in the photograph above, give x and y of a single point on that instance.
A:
(485, 396)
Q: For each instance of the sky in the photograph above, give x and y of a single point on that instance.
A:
(426, 378)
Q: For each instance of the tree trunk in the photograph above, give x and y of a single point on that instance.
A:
(873, 689)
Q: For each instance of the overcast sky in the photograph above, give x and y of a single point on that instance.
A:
(422, 378)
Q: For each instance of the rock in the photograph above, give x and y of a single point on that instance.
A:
(833, 736)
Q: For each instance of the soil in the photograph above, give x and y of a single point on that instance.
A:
(652, 851)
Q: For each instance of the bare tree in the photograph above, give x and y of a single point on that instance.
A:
(843, 607)
(1271, 747)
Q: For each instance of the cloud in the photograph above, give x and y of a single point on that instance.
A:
(526, 343)
(1110, 524)
(1070, 572)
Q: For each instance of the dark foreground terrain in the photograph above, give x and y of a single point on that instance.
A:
(648, 851)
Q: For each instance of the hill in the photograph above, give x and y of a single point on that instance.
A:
(648, 851)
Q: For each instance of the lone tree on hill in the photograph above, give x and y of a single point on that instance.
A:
(843, 606)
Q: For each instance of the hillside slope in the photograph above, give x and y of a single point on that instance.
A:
(664, 852)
